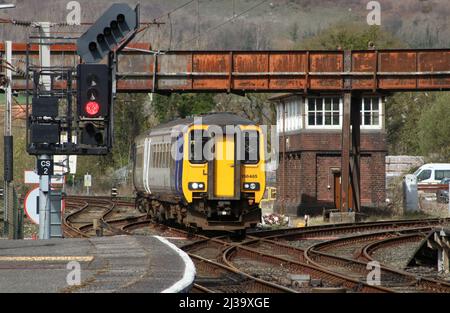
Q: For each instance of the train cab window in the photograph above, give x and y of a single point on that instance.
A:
(250, 148)
(197, 142)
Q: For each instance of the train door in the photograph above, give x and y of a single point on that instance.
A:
(337, 192)
(224, 166)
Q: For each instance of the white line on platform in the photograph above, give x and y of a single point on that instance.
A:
(189, 269)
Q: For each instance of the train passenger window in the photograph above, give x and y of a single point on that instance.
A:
(250, 148)
(167, 154)
(157, 156)
(197, 142)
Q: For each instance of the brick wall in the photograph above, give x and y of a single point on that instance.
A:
(310, 158)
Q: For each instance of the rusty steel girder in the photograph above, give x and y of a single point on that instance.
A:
(132, 59)
(265, 71)
(301, 71)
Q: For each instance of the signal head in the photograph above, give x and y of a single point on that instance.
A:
(92, 108)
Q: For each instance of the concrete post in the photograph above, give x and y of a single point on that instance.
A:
(8, 213)
(44, 180)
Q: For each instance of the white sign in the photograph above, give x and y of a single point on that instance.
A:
(32, 178)
(31, 205)
(65, 163)
(87, 180)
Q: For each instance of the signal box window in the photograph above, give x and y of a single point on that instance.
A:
(323, 112)
(197, 142)
(370, 111)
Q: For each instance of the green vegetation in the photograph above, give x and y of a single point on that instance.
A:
(434, 129)
(181, 106)
(351, 36)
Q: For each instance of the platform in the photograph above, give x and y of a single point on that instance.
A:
(106, 264)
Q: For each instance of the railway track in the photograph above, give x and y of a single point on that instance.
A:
(343, 256)
(313, 259)
(111, 215)
(392, 243)
(211, 276)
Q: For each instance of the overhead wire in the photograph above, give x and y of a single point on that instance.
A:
(144, 28)
(225, 22)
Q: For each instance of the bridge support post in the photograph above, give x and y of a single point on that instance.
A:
(350, 162)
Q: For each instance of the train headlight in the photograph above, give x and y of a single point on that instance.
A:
(252, 186)
(196, 186)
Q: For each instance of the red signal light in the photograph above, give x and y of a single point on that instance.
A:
(92, 108)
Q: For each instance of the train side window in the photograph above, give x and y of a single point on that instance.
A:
(197, 142)
(168, 154)
(251, 147)
(153, 162)
(161, 156)
(158, 156)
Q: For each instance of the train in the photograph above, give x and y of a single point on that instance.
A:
(204, 172)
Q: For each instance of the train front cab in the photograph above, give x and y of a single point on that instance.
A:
(224, 187)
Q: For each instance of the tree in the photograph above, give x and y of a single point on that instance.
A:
(403, 112)
(434, 129)
(351, 36)
(181, 106)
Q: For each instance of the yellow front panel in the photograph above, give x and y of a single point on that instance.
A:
(224, 167)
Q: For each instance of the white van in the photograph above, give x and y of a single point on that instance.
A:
(432, 173)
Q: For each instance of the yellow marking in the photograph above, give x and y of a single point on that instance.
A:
(45, 258)
(224, 166)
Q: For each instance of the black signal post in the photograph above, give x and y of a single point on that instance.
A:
(51, 123)
(52, 117)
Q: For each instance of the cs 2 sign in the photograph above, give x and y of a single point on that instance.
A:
(44, 167)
